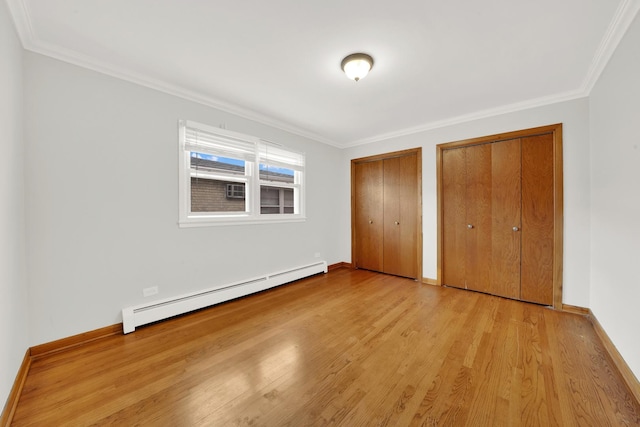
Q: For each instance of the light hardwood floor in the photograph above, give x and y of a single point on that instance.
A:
(350, 348)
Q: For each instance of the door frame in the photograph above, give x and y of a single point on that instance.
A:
(558, 214)
(418, 152)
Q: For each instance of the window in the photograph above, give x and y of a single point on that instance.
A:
(227, 177)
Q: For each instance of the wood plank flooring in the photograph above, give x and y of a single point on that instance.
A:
(349, 348)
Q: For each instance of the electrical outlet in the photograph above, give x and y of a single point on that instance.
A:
(147, 292)
(317, 255)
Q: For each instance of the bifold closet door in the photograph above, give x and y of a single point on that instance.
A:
(400, 213)
(481, 218)
(386, 213)
(500, 214)
(369, 215)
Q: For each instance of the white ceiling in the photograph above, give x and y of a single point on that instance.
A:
(278, 61)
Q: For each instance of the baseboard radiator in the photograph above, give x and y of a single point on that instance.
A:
(163, 309)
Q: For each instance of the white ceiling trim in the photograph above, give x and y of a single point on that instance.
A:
(483, 114)
(31, 42)
(90, 63)
(623, 18)
(22, 22)
(619, 25)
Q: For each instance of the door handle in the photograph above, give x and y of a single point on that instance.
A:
(515, 229)
(370, 221)
(397, 223)
(469, 226)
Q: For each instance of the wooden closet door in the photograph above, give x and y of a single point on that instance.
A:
(537, 219)
(400, 216)
(505, 213)
(369, 216)
(524, 222)
(478, 217)
(454, 217)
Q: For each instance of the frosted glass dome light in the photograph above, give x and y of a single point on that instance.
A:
(357, 65)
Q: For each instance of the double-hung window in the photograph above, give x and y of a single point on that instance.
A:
(227, 177)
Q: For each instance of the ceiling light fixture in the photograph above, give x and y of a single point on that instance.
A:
(357, 65)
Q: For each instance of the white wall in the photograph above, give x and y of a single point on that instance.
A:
(14, 322)
(615, 198)
(102, 201)
(574, 115)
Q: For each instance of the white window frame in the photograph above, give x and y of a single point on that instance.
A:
(263, 151)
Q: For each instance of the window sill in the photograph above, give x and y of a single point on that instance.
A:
(239, 220)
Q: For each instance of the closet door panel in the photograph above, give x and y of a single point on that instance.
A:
(537, 219)
(454, 220)
(369, 215)
(400, 218)
(478, 217)
(506, 211)
(408, 219)
(392, 241)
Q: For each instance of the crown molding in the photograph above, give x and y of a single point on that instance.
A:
(482, 114)
(21, 21)
(624, 16)
(91, 63)
(31, 42)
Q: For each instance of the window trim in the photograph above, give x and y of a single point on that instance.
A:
(186, 218)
